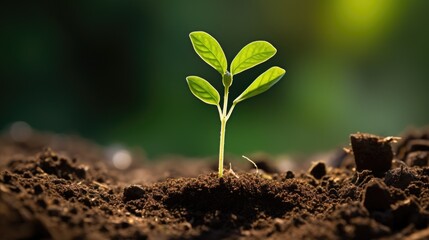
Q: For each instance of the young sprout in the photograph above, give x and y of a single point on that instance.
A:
(249, 56)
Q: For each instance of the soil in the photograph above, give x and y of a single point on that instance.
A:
(59, 187)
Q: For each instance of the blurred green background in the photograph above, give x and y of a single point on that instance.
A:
(114, 71)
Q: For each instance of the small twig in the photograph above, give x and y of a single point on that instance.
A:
(100, 185)
(232, 171)
(254, 164)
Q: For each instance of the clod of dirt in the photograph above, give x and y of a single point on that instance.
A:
(318, 170)
(289, 175)
(400, 177)
(412, 144)
(133, 192)
(376, 196)
(406, 212)
(418, 158)
(371, 152)
(61, 167)
(418, 145)
(361, 178)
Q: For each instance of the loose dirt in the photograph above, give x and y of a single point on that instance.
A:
(64, 188)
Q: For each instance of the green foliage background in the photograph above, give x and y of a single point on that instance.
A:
(114, 71)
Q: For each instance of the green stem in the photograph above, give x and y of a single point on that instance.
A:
(223, 120)
(230, 111)
(222, 146)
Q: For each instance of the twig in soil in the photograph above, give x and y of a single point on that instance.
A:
(100, 185)
(232, 171)
(254, 164)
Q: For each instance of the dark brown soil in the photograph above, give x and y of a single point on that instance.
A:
(72, 192)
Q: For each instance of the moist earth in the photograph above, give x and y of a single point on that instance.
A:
(59, 187)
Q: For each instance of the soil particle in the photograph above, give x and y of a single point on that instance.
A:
(412, 141)
(418, 159)
(371, 152)
(318, 170)
(38, 189)
(61, 167)
(133, 192)
(376, 196)
(417, 145)
(406, 212)
(361, 178)
(289, 175)
(400, 177)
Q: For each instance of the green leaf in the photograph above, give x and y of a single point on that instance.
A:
(262, 83)
(209, 50)
(251, 55)
(203, 90)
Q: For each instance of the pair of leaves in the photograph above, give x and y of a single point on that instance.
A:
(203, 90)
(211, 52)
(249, 56)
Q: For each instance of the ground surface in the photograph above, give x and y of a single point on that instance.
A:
(69, 191)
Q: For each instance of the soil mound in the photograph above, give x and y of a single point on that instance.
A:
(45, 194)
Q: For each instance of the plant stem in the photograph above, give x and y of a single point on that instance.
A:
(223, 120)
(230, 111)
(222, 145)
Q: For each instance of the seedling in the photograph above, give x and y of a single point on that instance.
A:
(249, 56)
